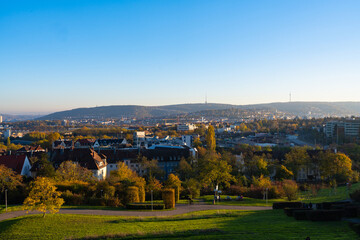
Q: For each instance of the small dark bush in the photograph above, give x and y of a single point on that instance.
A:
(301, 214)
(143, 206)
(330, 205)
(350, 211)
(355, 195)
(235, 190)
(325, 215)
(282, 205)
(72, 199)
(94, 201)
(290, 211)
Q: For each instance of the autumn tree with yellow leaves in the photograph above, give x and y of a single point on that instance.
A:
(43, 197)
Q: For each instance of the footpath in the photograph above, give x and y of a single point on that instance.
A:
(180, 209)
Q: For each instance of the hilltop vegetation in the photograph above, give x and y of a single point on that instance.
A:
(140, 112)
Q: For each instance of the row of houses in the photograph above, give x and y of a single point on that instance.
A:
(99, 156)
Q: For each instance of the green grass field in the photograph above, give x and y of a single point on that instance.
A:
(225, 224)
(323, 195)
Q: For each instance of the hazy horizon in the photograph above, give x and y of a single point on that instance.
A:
(50, 112)
(61, 55)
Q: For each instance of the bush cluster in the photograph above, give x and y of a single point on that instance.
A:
(169, 198)
(282, 205)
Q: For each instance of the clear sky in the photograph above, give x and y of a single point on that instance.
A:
(59, 55)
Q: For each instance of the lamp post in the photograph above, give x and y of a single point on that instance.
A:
(152, 205)
(5, 200)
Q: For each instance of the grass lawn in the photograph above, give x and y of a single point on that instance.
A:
(224, 224)
(324, 195)
(10, 208)
(245, 202)
(329, 195)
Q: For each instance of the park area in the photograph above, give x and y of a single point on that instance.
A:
(221, 223)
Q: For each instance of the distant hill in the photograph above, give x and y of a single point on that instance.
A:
(15, 118)
(134, 111)
(316, 108)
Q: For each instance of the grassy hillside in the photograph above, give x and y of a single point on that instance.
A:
(272, 224)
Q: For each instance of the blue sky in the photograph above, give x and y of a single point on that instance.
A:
(58, 55)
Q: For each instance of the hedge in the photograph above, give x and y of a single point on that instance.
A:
(177, 193)
(351, 211)
(301, 214)
(325, 215)
(282, 205)
(145, 206)
(168, 196)
(142, 194)
(132, 194)
(290, 211)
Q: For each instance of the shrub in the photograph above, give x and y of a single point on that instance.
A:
(141, 194)
(350, 211)
(325, 215)
(113, 202)
(235, 190)
(282, 205)
(72, 199)
(145, 206)
(192, 188)
(301, 214)
(355, 195)
(290, 211)
(177, 193)
(290, 189)
(17, 195)
(94, 201)
(168, 196)
(132, 194)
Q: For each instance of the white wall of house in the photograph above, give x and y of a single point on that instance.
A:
(100, 174)
(26, 168)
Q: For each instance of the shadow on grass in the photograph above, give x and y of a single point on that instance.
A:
(159, 235)
(6, 224)
(176, 218)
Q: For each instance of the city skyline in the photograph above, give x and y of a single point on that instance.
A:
(60, 55)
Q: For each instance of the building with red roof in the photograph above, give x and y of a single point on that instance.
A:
(20, 164)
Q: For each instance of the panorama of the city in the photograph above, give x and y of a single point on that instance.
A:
(179, 119)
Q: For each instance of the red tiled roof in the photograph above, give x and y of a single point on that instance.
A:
(16, 163)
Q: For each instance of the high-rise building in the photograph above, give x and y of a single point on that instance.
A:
(349, 128)
(1, 119)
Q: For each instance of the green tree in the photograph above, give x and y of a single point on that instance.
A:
(43, 197)
(8, 179)
(193, 187)
(52, 137)
(69, 171)
(184, 169)
(215, 171)
(297, 158)
(151, 168)
(335, 166)
(283, 173)
(45, 168)
(210, 139)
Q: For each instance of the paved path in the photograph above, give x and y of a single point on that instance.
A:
(180, 209)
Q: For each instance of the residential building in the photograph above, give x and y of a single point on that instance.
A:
(186, 127)
(20, 164)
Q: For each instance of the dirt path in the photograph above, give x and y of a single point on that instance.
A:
(180, 209)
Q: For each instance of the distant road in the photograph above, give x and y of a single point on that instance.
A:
(180, 209)
(301, 143)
